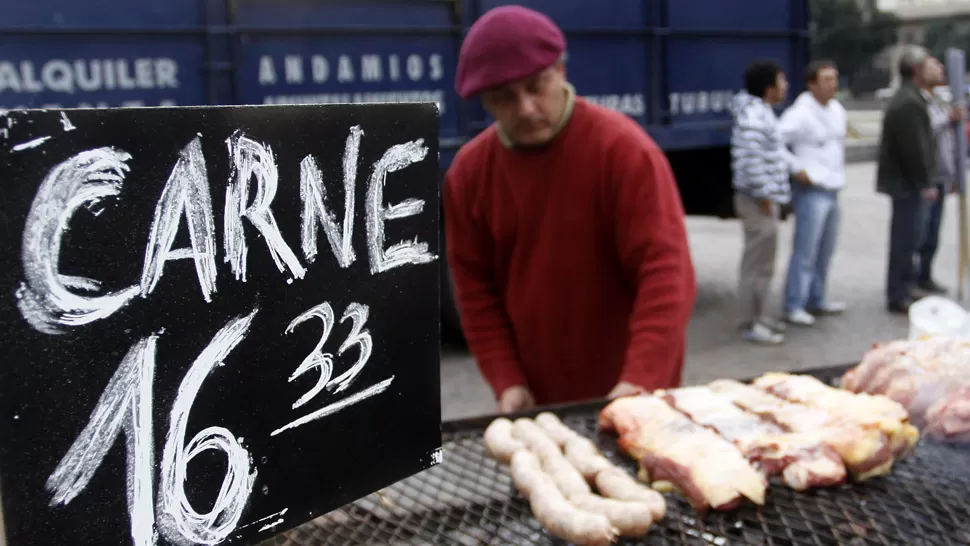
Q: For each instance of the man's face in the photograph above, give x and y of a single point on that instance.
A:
(777, 94)
(825, 85)
(933, 72)
(529, 109)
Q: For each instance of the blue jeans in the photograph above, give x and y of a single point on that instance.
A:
(817, 217)
(931, 237)
(905, 235)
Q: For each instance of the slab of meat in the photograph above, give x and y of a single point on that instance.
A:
(869, 411)
(803, 460)
(929, 377)
(949, 418)
(931, 356)
(889, 360)
(710, 471)
(866, 452)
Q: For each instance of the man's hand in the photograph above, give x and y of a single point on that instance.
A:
(802, 178)
(514, 399)
(930, 194)
(625, 389)
(767, 207)
(957, 113)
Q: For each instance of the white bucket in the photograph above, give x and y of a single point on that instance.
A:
(934, 315)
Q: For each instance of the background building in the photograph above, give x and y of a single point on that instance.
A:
(921, 21)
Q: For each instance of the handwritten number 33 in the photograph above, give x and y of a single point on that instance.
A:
(358, 337)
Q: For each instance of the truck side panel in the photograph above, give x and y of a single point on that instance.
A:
(101, 14)
(102, 53)
(708, 49)
(672, 66)
(609, 55)
(350, 51)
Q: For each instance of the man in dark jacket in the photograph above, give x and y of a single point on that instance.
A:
(907, 162)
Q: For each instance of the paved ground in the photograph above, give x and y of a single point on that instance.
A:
(714, 349)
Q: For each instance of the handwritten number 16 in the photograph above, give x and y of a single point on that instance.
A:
(126, 406)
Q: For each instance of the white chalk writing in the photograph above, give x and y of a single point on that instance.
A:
(187, 191)
(50, 301)
(66, 123)
(317, 358)
(369, 392)
(253, 159)
(426, 95)
(264, 518)
(45, 299)
(125, 405)
(314, 196)
(178, 520)
(30, 144)
(406, 252)
(359, 337)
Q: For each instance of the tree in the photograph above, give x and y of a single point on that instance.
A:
(852, 37)
(944, 34)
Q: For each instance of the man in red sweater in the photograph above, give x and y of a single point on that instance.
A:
(565, 230)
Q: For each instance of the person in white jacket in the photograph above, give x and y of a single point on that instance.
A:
(815, 128)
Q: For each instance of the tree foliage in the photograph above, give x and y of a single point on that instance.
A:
(852, 37)
(942, 35)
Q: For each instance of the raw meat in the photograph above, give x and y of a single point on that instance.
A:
(706, 468)
(869, 411)
(929, 377)
(866, 452)
(803, 460)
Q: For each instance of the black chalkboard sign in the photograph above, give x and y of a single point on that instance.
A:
(216, 323)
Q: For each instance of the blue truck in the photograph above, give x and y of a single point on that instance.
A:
(673, 65)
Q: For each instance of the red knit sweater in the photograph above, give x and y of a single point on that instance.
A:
(571, 265)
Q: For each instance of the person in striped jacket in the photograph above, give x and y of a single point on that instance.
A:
(761, 165)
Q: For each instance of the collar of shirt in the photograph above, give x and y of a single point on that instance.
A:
(567, 113)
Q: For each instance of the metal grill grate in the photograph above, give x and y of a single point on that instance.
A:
(469, 500)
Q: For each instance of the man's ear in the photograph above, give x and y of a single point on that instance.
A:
(486, 106)
(560, 67)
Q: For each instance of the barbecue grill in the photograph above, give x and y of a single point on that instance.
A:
(469, 500)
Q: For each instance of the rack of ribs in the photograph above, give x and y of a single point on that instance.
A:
(710, 471)
(866, 410)
(803, 460)
(866, 452)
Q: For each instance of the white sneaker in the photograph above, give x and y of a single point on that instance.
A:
(801, 317)
(762, 335)
(830, 308)
(774, 325)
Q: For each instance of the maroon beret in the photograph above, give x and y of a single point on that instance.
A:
(505, 44)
